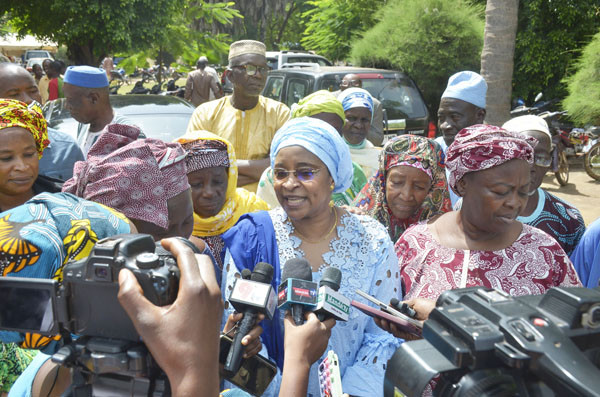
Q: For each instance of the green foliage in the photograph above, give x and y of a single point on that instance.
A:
(333, 25)
(549, 38)
(428, 39)
(93, 28)
(583, 101)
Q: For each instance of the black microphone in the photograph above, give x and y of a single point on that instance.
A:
(297, 290)
(250, 297)
(403, 308)
(331, 303)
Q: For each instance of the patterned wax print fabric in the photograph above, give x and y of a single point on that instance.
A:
(249, 131)
(483, 146)
(39, 237)
(206, 150)
(137, 176)
(364, 253)
(414, 151)
(13, 361)
(15, 113)
(266, 191)
(531, 265)
(557, 218)
(586, 256)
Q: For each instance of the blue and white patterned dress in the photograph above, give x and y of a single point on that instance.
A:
(364, 253)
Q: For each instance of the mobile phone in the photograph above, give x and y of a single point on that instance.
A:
(402, 323)
(255, 373)
(330, 380)
(389, 309)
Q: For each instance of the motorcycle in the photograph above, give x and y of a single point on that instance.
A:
(591, 150)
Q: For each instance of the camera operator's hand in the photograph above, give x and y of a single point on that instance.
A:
(303, 345)
(421, 306)
(251, 341)
(183, 337)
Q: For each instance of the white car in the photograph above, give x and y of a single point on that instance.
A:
(33, 61)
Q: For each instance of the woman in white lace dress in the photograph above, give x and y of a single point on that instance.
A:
(310, 162)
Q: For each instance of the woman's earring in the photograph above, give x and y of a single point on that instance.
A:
(332, 186)
(331, 203)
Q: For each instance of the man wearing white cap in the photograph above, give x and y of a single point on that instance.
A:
(543, 210)
(200, 83)
(462, 105)
(246, 119)
(86, 93)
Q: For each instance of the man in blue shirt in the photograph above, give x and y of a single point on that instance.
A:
(63, 151)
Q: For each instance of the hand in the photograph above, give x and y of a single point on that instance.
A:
(421, 306)
(394, 330)
(198, 242)
(184, 336)
(251, 341)
(306, 343)
(353, 210)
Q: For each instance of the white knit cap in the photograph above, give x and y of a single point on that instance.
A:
(527, 123)
(467, 86)
(243, 47)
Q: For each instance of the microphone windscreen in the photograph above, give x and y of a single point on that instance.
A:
(246, 273)
(332, 277)
(262, 273)
(297, 268)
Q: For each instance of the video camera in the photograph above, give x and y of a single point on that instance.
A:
(108, 355)
(483, 342)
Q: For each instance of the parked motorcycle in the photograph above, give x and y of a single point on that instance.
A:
(591, 150)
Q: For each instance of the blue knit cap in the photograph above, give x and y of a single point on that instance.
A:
(86, 76)
(467, 86)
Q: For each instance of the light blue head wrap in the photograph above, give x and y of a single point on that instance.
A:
(322, 140)
(356, 98)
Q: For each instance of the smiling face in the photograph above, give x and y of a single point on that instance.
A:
(302, 200)
(405, 190)
(493, 198)
(181, 219)
(209, 188)
(18, 161)
(358, 122)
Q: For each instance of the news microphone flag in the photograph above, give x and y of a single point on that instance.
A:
(297, 291)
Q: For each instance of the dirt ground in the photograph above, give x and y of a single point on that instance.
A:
(582, 191)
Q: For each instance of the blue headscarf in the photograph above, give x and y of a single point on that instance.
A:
(322, 140)
(356, 98)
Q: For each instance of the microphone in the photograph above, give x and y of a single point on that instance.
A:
(331, 303)
(297, 290)
(250, 297)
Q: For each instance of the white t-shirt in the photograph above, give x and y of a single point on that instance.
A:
(86, 139)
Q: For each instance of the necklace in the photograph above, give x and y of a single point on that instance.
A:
(306, 239)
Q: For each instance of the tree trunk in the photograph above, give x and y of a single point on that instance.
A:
(501, 17)
(83, 54)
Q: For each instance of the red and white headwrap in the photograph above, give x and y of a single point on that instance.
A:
(481, 146)
(135, 177)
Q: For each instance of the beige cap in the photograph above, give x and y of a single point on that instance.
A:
(243, 47)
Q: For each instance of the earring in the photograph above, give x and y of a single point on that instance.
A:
(331, 203)
(332, 186)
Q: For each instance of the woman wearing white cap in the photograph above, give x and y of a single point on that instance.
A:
(543, 210)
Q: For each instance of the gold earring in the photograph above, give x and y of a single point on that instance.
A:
(332, 186)
(331, 203)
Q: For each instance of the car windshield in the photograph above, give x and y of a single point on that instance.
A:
(398, 96)
(37, 54)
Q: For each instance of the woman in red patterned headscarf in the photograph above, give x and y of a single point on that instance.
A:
(483, 244)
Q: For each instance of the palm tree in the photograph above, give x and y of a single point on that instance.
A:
(501, 17)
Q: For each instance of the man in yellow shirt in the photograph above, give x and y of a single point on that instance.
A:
(246, 119)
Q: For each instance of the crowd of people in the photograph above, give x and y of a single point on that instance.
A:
(253, 181)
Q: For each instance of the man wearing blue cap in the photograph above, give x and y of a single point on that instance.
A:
(87, 99)
(462, 105)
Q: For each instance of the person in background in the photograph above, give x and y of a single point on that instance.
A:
(409, 186)
(108, 66)
(358, 110)
(324, 106)
(246, 119)
(586, 256)
(545, 211)
(144, 179)
(375, 135)
(218, 202)
(462, 105)
(482, 244)
(200, 83)
(310, 162)
(62, 152)
(87, 99)
(55, 85)
(44, 81)
(38, 72)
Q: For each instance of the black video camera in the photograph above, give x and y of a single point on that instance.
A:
(85, 304)
(483, 342)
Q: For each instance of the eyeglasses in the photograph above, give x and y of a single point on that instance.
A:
(542, 161)
(352, 83)
(252, 69)
(303, 174)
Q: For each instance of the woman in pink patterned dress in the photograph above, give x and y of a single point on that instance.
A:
(482, 244)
